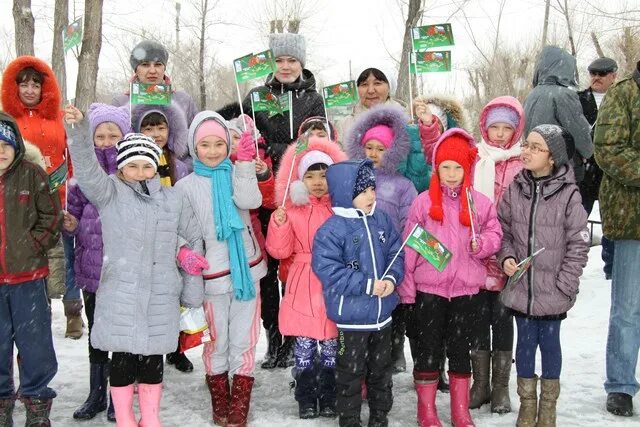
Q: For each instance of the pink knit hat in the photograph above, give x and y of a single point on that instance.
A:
(381, 133)
(209, 128)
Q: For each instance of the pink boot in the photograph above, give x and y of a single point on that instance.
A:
(427, 414)
(149, 399)
(459, 389)
(122, 398)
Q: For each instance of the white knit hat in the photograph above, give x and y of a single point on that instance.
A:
(137, 146)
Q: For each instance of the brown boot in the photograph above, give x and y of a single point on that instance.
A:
(480, 392)
(73, 313)
(549, 392)
(500, 372)
(528, 392)
(38, 411)
(240, 400)
(220, 396)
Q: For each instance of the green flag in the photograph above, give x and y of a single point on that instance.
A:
(430, 62)
(431, 36)
(58, 177)
(429, 247)
(72, 35)
(266, 101)
(302, 144)
(341, 94)
(150, 94)
(523, 267)
(253, 66)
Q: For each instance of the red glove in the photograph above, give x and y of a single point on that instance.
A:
(191, 261)
(246, 150)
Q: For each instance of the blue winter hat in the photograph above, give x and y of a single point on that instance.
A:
(365, 178)
(8, 135)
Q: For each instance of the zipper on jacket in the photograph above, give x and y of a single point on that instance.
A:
(530, 246)
(340, 306)
(373, 259)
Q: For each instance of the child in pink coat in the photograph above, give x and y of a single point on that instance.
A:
(445, 302)
(302, 310)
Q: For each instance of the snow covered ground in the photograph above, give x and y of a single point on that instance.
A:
(186, 399)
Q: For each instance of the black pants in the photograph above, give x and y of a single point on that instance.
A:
(127, 368)
(269, 293)
(496, 318)
(443, 321)
(95, 355)
(363, 356)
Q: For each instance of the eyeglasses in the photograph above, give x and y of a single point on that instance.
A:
(535, 149)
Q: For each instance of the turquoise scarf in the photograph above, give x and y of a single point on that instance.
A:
(229, 226)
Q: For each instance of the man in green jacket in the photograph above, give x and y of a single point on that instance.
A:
(617, 151)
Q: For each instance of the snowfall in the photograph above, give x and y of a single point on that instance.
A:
(186, 399)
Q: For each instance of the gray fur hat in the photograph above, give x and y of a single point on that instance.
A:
(289, 44)
(148, 50)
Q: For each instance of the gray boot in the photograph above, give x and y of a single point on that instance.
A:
(549, 392)
(6, 412)
(73, 313)
(528, 392)
(500, 372)
(480, 392)
(38, 411)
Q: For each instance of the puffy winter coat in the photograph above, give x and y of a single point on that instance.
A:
(350, 251)
(344, 126)
(545, 213)
(302, 309)
(195, 190)
(394, 192)
(137, 303)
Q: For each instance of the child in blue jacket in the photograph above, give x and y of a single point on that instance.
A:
(351, 253)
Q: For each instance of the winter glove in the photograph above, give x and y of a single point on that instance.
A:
(246, 150)
(191, 261)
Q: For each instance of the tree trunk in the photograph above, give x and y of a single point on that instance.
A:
(60, 22)
(413, 16)
(203, 29)
(545, 27)
(596, 44)
(24, 27)
(88, 60)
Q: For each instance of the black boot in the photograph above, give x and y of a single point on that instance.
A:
(6, 412)
(180, 361)
(97, 400)
(274, 342)
(378, 418)
(327, 393)
(38, 411)
(111, 412)
(620, 404)
(285, 353)
(306, 393)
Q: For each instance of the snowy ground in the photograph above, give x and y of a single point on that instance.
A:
(186, 399)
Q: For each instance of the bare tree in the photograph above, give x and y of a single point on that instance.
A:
(60, 22)
(88, 60)
(596, 44)
(284, 15)
(563, 7)
(24, 27)
(545, 27)
(414, 13)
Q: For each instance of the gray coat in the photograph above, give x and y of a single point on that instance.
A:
(552, 101)
(544, 214)
(137, 303)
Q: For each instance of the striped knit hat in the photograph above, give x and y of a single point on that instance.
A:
(136, 146)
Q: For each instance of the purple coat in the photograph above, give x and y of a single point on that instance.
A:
(88, 234)
(394, 192)
(548, 214)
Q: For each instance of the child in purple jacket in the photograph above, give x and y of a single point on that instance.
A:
(542, 208)
(445, 302)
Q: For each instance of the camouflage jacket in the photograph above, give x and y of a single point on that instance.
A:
(617, 151)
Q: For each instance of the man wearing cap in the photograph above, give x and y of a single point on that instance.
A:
(149, 62)
(617, 143)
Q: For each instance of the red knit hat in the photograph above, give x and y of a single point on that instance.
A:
(453, 146)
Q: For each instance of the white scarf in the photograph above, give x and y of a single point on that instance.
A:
(485, 175)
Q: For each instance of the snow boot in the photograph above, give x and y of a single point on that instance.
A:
(528, 392)
(427, 413)
(620, 404)
(500, 373)
(97, 400)
(111, 412)
(549, 392)
(180, 361)
(285, 353)
(220, 395)
(123, 404)
(273, 344)
(350, 422)
(327, 393)
(480, 391)
(240, 400)
(6, 412)
(459, 388)
(306, 393)
(149, 396)
(378, 418)
(73, 313)
(38, 411)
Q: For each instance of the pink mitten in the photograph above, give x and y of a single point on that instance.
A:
(246, 150)
(192, 262)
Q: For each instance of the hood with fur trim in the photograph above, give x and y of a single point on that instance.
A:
(382, 114)
(503, 101)
(49, 106)
(33, 155)
(177, 141)
(298, 193)
(453, 108)
(195, 124)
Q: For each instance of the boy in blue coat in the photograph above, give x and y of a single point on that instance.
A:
(351, 253)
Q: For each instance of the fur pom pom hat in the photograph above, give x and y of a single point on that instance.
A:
(458, 146)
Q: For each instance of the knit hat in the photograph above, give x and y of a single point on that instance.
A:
(100, 113)
(211, 128)
(502, 114)
(365, 178)
(311, 158)
(382, 133)
(455, 145)
(288, 44)
(552, 135)
(136, 146)
(148, 50)
(437, 111)
(8, 134)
